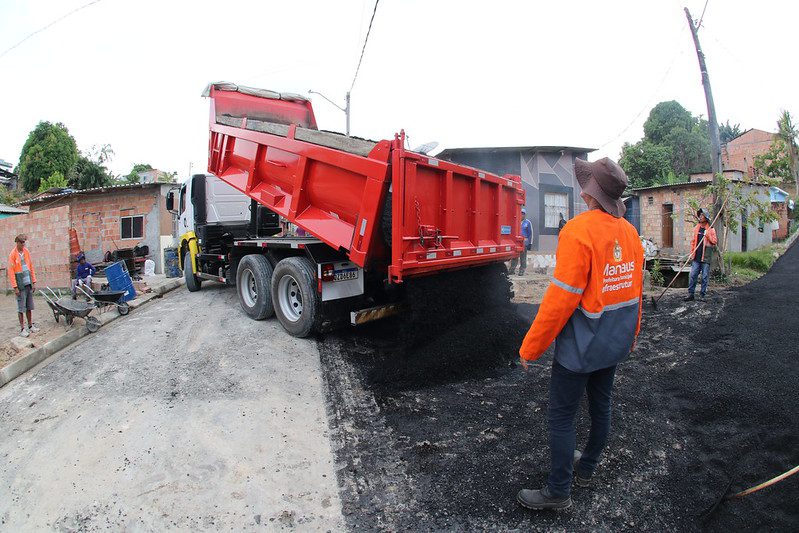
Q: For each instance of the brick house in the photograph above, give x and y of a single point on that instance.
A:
(780, 203)
(740, 152)
(667, 218)
(105, 219)
(548, 178)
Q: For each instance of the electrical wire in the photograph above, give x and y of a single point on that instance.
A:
(366, 40)
(701, 18)
(679, 53)
(53, 23)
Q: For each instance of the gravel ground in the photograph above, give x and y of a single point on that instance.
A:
(185, 415)
(436, 427)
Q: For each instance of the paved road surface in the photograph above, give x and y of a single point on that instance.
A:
(183, 415)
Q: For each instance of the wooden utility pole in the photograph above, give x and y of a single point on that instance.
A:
(712, 123)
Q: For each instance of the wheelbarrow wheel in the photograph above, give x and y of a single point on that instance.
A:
(92, 323)
(123, 308)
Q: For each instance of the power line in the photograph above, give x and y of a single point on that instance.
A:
(703, 15)
(649, 100)
(366, 40)
(56, 21)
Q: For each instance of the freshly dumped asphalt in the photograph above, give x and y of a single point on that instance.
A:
(436, 427)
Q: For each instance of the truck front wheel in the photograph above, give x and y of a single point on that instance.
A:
(193, 283)
(294, 292)
(253, 279)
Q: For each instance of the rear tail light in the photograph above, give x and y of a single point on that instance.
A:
(328, 272)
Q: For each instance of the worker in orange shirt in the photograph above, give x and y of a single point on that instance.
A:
(592, 310)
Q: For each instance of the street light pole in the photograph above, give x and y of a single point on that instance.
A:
(345, 109)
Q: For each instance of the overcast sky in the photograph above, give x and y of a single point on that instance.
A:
(463, 73)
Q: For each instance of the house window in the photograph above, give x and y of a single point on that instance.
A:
(650, 200)
(132, 227)
(555, 204)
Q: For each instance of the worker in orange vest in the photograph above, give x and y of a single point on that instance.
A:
(592, 309)
(22, 277)
(702, 244)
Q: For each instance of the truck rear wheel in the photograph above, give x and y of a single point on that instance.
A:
(297, 305)
(193, 283)
(253, 280)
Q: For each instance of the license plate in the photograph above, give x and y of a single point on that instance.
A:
(345, 275)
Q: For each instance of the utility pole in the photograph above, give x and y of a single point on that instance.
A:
(346, 107)
(712, 124)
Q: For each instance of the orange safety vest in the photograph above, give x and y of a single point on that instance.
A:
(710, 240)
(15, 266)
(592, 308)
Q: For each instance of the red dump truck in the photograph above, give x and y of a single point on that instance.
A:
(373, 214)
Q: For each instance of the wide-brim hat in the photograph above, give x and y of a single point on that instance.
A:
(605, 181)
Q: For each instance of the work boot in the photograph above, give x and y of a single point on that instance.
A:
(689, 298)
(542, 500)
(521, 273)
(580, 481)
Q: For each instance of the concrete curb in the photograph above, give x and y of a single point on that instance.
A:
(36, 356)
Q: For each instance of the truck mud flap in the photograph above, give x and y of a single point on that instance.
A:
(370, 314)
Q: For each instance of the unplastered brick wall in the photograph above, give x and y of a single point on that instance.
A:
(683, 219)
(48, 243)
(97, 219)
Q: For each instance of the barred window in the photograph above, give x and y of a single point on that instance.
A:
(555, 204)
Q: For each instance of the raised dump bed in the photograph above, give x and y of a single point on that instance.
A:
(383, 207)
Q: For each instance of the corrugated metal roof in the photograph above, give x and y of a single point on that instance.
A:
(72, 192)
(11, 209)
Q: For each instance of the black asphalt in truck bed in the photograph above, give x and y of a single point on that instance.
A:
(435, 426)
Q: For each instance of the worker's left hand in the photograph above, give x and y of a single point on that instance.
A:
(525, 363)
(33, 287)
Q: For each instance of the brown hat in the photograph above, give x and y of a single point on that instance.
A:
(605, 181)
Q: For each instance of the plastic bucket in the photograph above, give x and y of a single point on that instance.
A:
(119, 280)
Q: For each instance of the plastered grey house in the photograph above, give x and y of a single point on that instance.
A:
(548, 177)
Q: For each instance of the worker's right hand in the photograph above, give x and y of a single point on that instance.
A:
(16, 291)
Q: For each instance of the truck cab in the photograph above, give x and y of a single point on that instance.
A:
(212, 215)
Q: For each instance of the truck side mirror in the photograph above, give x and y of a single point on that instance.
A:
(170, 201)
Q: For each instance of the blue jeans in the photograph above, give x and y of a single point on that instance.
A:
(566, 389)
(696, 267)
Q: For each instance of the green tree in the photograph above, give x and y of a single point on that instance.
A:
(89, 174)
(645, 163)
(49, 149)
(728, 133)
(690, 149)
(776, 163)
(131, 178)
(134, 176)
(663, 118)
(786, 131)
(55, 181)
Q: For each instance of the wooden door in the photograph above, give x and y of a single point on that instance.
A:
(668, 226)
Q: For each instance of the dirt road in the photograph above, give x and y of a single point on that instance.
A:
(182, 415)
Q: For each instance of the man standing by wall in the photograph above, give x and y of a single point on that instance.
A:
(702, 244)
(593, 306)
(22, 277)
(527, 233)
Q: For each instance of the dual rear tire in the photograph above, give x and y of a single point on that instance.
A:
(288, 291)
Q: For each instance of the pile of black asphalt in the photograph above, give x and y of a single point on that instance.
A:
(436, 427)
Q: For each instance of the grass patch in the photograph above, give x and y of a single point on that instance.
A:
(743, 275)
(758, 260)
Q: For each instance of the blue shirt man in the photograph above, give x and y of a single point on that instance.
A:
(83, 274)
(527, 233)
